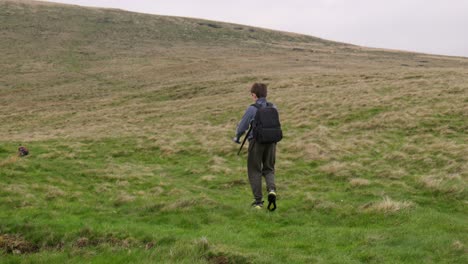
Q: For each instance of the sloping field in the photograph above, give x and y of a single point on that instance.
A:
(129, 119)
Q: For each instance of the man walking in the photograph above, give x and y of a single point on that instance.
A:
(265, 133)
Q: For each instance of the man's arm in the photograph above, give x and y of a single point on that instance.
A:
(245, 122)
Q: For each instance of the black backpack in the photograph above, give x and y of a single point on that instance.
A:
(266, 124)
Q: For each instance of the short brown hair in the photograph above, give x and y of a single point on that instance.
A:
(259, 89)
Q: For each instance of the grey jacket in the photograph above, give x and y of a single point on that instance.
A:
(248, 117)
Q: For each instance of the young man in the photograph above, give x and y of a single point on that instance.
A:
(261, 157)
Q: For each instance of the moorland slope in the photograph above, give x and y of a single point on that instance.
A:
(129, 116)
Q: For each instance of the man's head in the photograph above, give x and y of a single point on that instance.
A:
(259, 89)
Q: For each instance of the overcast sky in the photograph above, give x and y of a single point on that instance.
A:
(430, 26)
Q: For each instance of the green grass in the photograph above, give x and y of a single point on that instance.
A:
(121, 194)
(129, 117)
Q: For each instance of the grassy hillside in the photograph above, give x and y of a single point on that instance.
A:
(129, 117)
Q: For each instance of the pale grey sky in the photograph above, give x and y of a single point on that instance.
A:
(430, 26)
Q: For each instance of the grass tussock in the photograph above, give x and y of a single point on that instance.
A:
(9, 161)
(312, 202)
(395, 173)
(208, 178)
(459, 246)
(341, 169)
(110, 240)
(14, 244)
(123, 198)
(358, 182)
(54, 192)
(446, 184)
(387, 205)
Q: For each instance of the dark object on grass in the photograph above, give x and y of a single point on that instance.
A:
(210, 25)
(23, 151)
(14, 244)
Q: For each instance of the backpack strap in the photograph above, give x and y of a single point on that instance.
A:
(259, 106)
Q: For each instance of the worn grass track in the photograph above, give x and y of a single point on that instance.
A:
(129, 116)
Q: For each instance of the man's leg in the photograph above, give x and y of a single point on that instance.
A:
(254, 169)
(269, 159)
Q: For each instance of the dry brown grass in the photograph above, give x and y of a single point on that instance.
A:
(123, 198)
(358, 182)
(309, 88)
(341, 169)
(312, 202)
(157, 190)
(387, 205)
(14, 244)
(9, 160)
(54, 192)
(208, 178)
(445, 183)
(459, 246)
(389, 172)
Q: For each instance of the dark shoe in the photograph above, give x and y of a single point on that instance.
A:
(271, 200)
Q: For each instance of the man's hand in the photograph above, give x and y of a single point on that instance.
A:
(236, 140)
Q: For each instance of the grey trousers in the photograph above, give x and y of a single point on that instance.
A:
(261, 162)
